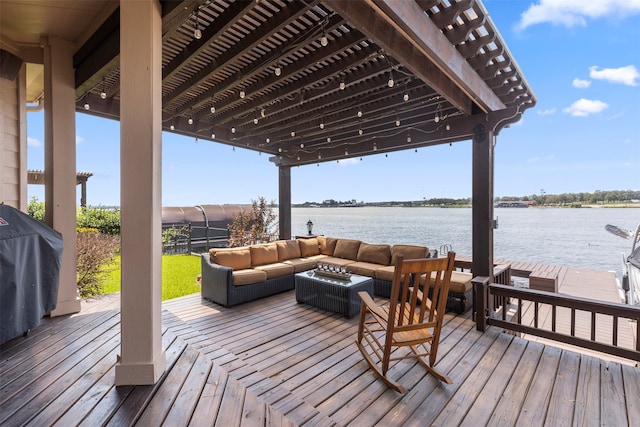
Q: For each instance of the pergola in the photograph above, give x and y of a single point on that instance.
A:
(301, 80)
(36, 177)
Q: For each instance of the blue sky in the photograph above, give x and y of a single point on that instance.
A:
(581, 58)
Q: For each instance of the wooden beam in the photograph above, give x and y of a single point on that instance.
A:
(409, 20)
(284, 202)
(382, 31)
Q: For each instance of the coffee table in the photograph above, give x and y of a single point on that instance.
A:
(327, 293)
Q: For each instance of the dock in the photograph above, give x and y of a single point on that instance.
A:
(579, 282)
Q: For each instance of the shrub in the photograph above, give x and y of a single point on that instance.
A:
(94, 251)
(107, 221)
(258, 226)
(35, 209)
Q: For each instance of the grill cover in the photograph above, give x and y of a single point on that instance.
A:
(30, 258)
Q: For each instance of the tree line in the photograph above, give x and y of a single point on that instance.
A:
(598, 197)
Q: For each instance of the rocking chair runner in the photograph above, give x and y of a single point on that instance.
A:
(410, 319)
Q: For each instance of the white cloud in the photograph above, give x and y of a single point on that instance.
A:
(624, 75)
(584, 107)
(580, 84)
(79, 139)
(33, 142)
(572, 13)
(549, 112)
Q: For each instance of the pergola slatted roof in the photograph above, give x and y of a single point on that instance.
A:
(393, 74)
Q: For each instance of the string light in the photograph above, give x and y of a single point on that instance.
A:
(233, 130)
(405, 96)
(346, 151)
(242, 94)
(319, 156)
(213, 108)
(255, 121)
(375, 147)
(190, 120)
(322, 125)
(397, 122)
(172, 127)
(213, 136)
(280, 150)
(390, 82)
(103, 93)
(278, 70)
(263, 113)
(301, 145)
(196, 29)
(328, 139)
(447, 126)
(360, 131)
(323, 40)
(359, 113)
(408, 137)
(342, 84)
(293, 133)
(86, 102)
(268, 140)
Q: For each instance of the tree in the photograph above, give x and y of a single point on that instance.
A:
(257, 226)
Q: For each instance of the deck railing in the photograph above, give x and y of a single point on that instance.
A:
(592, 324)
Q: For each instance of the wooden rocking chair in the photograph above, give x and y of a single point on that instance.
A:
(410, 319)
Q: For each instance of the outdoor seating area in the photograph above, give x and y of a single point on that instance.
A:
(232, 276)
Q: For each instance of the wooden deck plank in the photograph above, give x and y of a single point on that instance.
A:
(185, 402)
(631, 378)
(208, 405)
(562, 402)
(483, 407)
(539, 394)
(230, 412)
(510, 405)
(432, 404)
(74, 388)
(253, 412)
(587, 402)
(613, 410)
(458, 405)
(36, 385)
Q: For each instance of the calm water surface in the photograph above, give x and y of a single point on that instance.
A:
(570, 237)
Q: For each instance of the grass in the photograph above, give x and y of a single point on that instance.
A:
(179, 275)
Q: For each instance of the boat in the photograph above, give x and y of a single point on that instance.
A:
(630, 264)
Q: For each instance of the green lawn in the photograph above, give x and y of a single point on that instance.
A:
(179, 275)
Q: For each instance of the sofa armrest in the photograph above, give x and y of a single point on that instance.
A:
(216, 281)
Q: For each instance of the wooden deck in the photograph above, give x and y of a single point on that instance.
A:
(276, 362)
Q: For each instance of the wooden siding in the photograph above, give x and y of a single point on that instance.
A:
(10, 153)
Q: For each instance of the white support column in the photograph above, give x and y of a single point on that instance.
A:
(60, 162)
(142, 356)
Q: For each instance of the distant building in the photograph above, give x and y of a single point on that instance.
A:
(515, 204)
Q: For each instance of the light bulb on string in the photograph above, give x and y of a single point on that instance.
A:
(242, 94)
(213, 135)
(390, 82)
(360, 131)
(278, 70)
(196, 29)
(323, 40)
(86, 102)
(321, 125)
(328, 139)
(293, 133)
(405, 96)
(172, 127)
(213, 109)
(375, 147)
(190, 120)
(103, 93)
(233, 130)
(397, 122)
(359, 113)
(342, 84)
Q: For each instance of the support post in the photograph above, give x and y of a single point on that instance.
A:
(284, 202)
(142, 360)
(482, 222)
(60, 163)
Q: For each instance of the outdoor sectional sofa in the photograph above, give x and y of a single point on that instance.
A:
(231, 276)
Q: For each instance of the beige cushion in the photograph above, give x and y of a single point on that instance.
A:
(248, 277)
(236, 258)
(301, 264)
(347, 249)
(327, 245)
(263, 254)
(460, 281)
(287, 249)
(375, 254)
(385, 273)
(336, 261)
(409, 252)
(309, 247)
(278, 269)
(363, 268)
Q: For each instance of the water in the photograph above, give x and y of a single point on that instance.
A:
(569, 237)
